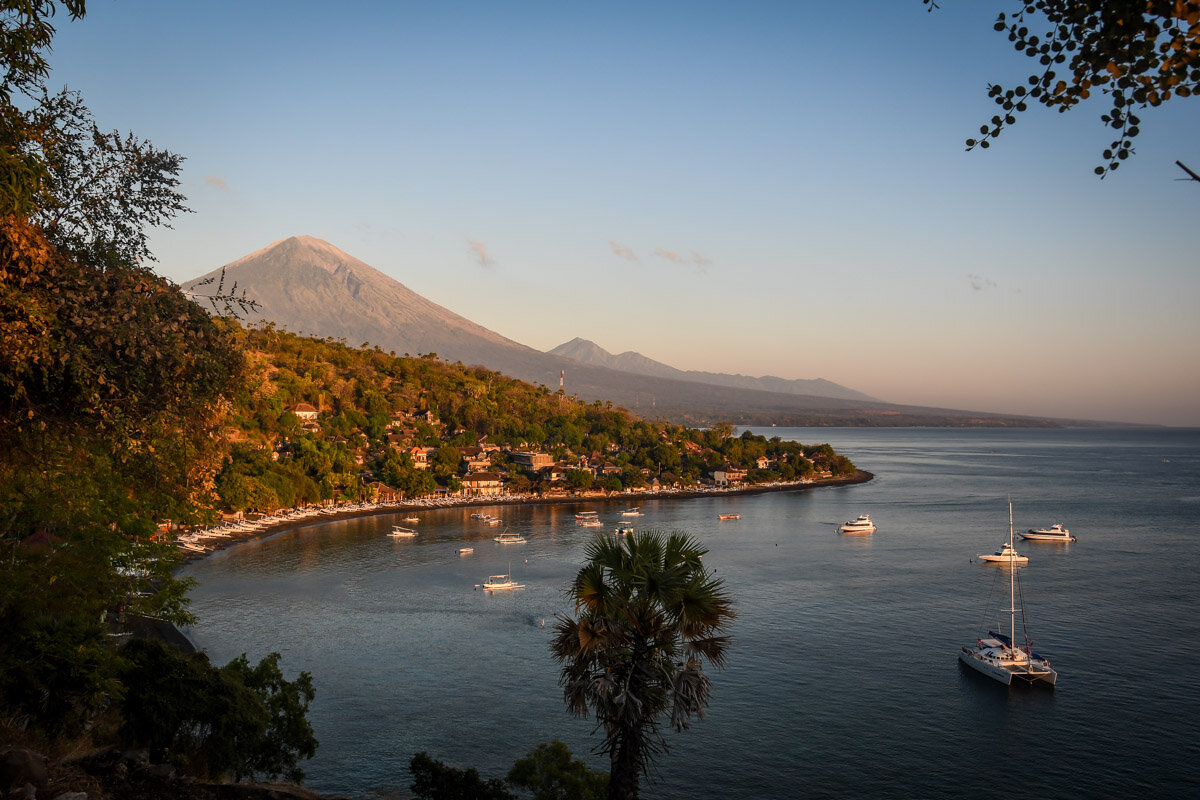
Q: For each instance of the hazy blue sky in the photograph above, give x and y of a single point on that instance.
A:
(757, 187)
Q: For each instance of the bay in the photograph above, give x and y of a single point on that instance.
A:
(842, 680)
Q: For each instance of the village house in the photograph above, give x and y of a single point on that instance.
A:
(475, 459)
(532, 460)
(420, 456)
(305, 412)
(728, 476)
(482, 484)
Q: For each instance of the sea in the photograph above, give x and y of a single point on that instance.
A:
(842, 679)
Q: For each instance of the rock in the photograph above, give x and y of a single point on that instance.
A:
(72, 796)
(19, 766)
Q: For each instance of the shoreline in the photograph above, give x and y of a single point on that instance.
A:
(270, 526)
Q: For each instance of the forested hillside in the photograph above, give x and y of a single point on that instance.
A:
(415, 426)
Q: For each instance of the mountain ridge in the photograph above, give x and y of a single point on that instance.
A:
(588, 352)
(307, 285)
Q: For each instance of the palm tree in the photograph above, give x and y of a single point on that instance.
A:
(648, 613)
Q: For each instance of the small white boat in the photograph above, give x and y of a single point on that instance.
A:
(623, 530)
(1005, 555)
(462, 551)
(996, 656)
(728, 516)
(412, 520)
(401, 532)
(631, 512)
(861, 525)
(1055, 533)
(499, 583)
(510, 538)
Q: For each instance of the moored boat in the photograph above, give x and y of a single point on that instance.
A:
(1055, 533)
(861, 525)
(462, 551)
(1005, 555)
(996, 656)
(729, 516)
(510, 538)
(401, 532)
(500, 583)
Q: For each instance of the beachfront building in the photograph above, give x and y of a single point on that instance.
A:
(482, 484)
(728, 476)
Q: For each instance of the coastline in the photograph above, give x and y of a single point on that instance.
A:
(269, 525)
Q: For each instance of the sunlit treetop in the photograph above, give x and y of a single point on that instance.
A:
(1137, 52)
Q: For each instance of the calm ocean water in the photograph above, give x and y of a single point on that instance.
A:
(843, 680)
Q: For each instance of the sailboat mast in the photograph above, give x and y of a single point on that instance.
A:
(1012, 582)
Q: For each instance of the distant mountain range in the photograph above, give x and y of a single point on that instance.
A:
(307, 285)
(587, 352)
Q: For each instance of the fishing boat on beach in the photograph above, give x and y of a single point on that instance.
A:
(997, 656)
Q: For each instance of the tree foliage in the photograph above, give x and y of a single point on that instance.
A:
(238, 721)
(434, 780)
(549, 772)
(113, 388)
(1140, 53)
(648, 614)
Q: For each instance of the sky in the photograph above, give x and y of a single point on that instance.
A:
(764, 188)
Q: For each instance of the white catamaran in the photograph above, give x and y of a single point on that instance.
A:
(997, 655)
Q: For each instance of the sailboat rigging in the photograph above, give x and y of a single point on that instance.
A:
(998, 655)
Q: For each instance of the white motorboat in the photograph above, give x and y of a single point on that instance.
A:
(1005, 555)
(996, 656)
(401, 532)
(1055, 533)
(861, 525)
(500, 583)
(510, 538)
(631, 512)
(462, 551)
(623, 530)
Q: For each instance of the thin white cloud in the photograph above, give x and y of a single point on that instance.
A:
(669, 255)
(623, 251)
(481, 253)
(216, 181)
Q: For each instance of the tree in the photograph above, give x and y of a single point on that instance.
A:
(1140, 53)
(548, 772)
(113, 389)
(648, 614)
(237, 720)
(434, 780)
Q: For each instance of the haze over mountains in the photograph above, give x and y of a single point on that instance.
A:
(587, 352)
(308, 286)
